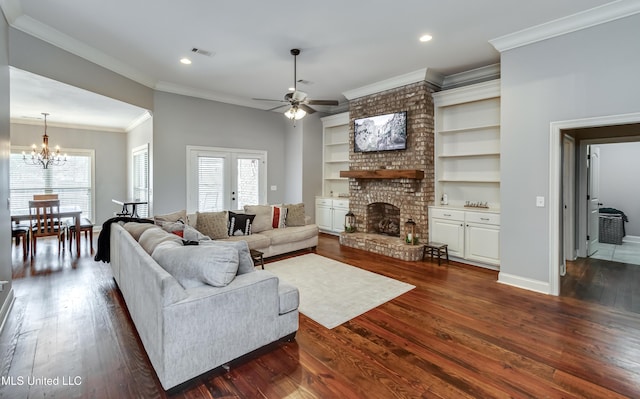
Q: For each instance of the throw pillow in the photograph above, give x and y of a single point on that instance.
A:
(191, 234)
(212, 224)
(295, 215)
(151, 238)
(278, 217)
(172, 217)
(240, 224)
(136, 229)
(242, 248)
(262, 220)
(198, 265)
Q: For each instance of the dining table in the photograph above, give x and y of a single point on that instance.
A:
(19, 215)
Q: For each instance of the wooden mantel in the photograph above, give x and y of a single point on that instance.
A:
(384, 174)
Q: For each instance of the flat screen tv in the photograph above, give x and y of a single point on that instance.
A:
(381, 133)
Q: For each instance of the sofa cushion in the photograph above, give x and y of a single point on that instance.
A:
(185, 231)
(197, 265)
(295, 215)
(240, 224)
(136, 229)
(212, 224)
(262, 220)
(291, 234)
(150, 239)
(241, 247)
(255, 241)
(172, 217)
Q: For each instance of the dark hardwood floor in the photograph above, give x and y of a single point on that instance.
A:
(458, 334)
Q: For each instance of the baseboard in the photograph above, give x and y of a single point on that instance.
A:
(632, 239)
(6, 308)
(525, 283)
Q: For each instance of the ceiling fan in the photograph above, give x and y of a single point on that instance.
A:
(297, 100)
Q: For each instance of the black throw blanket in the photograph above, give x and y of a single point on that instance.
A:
(104, 249)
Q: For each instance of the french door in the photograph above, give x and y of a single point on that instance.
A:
(225, 179)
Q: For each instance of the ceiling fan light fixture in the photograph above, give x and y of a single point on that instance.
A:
(295, 113)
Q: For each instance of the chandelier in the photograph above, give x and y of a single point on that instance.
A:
(45, 157)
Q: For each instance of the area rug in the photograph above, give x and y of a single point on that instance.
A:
(332, 292)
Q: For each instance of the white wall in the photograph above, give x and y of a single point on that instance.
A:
(5, 222)
(110, 160)
(619, 185)
(591, 72)
(179, 121)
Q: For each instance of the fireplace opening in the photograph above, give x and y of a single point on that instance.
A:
(383, 218)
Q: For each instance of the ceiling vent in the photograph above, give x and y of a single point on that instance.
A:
(202, 52)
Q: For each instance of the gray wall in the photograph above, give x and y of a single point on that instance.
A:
(5, 221)
(312, 146)
(619, 184)
(140, 135)
(110, 163)
(179, 121)
(591, 72)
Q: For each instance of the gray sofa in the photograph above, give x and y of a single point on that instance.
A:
(189, 331)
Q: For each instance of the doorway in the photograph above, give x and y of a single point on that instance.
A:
(601, 155)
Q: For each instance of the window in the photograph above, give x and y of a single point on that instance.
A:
(73, 181)
(140, 181)
(221, 179)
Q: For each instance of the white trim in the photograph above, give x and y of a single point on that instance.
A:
(555, 191)
(572, 23)
(631, 239)
(335, 120)
(489, 72)
(6, 308)
(145, 116)
(65, 42)
(475, 92)
(31, 121)
(522, 282)
(420, 75)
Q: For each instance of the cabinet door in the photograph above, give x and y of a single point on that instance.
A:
(448, 232)
(323, 217)
(482, 243)
(338, 219)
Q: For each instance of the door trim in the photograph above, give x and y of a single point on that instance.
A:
(555, 189)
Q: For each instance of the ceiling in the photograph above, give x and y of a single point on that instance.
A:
(345, 45)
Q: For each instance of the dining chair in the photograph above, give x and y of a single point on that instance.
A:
(44, 217)
(21, 232)
(86, 226)
(40, 197)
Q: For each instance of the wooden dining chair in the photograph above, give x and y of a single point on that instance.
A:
(40, 197)
(44, 216)
(21, 232)
(85, 226)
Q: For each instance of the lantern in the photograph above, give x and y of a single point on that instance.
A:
(349, 222)
(410, 232)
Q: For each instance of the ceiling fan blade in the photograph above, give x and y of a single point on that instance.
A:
(322, 102)
(267, 99)
(275, 108)
(308, 109)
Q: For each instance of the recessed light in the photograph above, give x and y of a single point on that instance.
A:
(292, 89)
(185, 61)
(425, 38)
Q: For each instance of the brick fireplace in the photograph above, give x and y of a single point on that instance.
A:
(390, 201)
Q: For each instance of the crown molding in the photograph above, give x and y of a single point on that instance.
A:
(474, 92)
(30, 121)
(65, 42)
(572, 23)
(482, 74)
(145, 116)
(420, 75)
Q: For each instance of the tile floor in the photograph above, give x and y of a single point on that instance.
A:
(628, 252)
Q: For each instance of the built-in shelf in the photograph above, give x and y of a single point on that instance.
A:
(492, 181)
(335, 154)
(384, 174)
(469, 129)
(337, 161)
(340, 143)
(469, 155)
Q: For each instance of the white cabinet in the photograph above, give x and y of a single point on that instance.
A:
(467, 144)
(330, 213)
(470, 235)
(335, 154)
